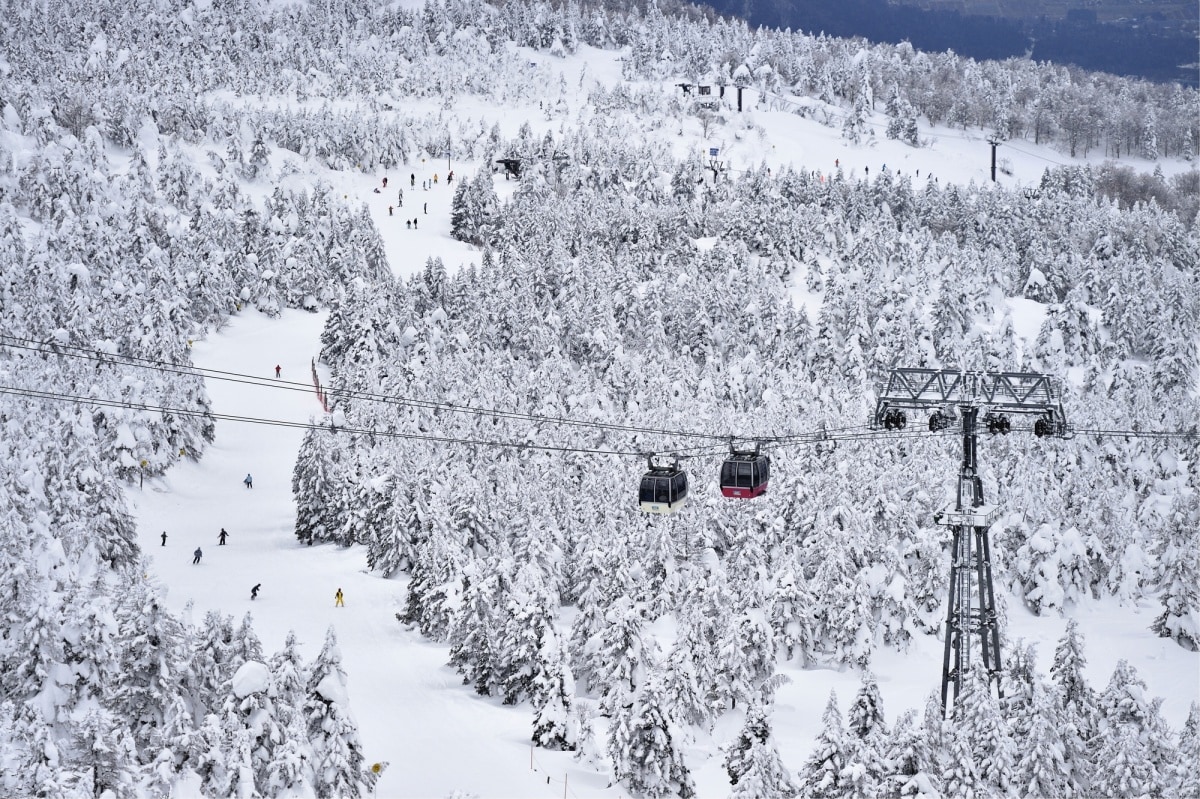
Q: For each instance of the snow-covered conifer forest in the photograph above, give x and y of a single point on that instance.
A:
(186, 188)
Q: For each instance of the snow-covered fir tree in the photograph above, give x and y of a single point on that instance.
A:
(645, 746)
(821, 775)
(338, 766)
(752, 759)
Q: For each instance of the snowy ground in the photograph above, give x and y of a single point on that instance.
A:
(412, 711)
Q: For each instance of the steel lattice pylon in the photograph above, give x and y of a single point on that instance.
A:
(951, 395)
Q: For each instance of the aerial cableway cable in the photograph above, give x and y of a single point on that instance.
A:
(348, 430)
(57, 396)
(72, 351)
(663, 489)
(824, 435)
(266, 382)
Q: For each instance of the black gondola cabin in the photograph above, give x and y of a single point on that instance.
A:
(663, 489)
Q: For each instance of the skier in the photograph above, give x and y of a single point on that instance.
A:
(164, 538)
(389, 210)
(196, 556)
(414, 223)
(254, 591)
(221, 538)
(400, 199)
(385, 181)
(426, 207)
(435, 178)
(337, 599)
(408, 223)
(278, 368)
(412, 180)
(249, 481)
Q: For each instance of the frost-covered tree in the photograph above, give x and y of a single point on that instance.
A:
(644, 745)
(211, 664)
(623, 654)
(1178, 575)
(1184, 778)
(911, 760)
(476, 637)
(316, 486)
(1132, 737)
(752, 759)
(1042, 768)
(338, 765)
(289, 768)
(555, 723)
(1077, 698)
(821, 775)
(978, 720)
(864, 771)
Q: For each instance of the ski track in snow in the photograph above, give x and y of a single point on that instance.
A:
(412, 710)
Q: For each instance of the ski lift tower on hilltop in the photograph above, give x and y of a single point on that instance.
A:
(953, 396)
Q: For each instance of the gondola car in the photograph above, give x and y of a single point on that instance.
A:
(664, 489)
(744, 475)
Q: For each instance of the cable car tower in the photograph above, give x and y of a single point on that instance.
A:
(951, 395)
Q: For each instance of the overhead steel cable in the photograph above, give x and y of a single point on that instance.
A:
(348, 430)
(1159, 434)
(870, 435)
(847, 433)
(268, 382)
(86, 353)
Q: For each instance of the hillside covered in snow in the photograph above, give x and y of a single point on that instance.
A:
(190, 197)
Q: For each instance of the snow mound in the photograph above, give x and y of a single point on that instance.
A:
(252, 678)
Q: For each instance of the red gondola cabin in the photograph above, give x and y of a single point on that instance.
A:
(744, 475)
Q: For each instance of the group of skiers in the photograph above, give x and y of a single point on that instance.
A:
(411, 224)
(338, 598)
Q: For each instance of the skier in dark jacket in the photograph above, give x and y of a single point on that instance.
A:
(254, 591)
(221, 537)
(198, 554)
